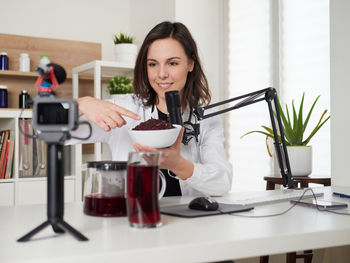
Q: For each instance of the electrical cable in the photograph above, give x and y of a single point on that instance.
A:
(21, 130)
(90, 131)
(335, 212)
(288, 209)
(63, 136)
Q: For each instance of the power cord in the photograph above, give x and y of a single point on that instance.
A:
(90, 131)
(335, 212)
(288, 209)
(22, 131)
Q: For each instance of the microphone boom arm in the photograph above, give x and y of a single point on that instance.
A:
(270, 95)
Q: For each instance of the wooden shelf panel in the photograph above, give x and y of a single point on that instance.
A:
(13, 73)
(67, 53)
(17, 73)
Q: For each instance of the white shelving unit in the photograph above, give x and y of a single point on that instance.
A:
(31, 190)
(99, 69)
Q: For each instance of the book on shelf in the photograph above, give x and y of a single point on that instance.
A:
(4, 163)
(2, 134)
(9, 165)
(3, 148)
(1, 139)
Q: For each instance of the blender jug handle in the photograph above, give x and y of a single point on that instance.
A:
(162, 191)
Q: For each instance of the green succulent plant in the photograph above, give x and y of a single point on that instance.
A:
(120, 85)
(123, 39)
(294, 129)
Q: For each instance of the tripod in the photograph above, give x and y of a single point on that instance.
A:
(55, 197)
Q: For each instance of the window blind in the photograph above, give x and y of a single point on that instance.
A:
(304, 67)
(249, 70)
(302, 56)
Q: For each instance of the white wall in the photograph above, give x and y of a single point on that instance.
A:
(98, 21)
(146, 14)
(340, 92)
(82, 20)
(205, 20)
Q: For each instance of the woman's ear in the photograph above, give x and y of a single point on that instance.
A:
(190, 65)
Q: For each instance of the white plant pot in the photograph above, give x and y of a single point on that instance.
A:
(125, 53)
(300, 159)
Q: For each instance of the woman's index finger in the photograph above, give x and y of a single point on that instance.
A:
(127, 113)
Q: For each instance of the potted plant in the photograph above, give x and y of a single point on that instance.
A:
(124, 48)
(120, 85)
(299, 150)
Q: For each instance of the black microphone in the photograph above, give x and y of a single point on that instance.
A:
(58, 71)
(172, 99)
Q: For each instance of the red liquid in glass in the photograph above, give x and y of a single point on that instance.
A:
(99, 205)
(142, 195)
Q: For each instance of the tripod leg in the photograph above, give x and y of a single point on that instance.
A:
(55, 196)
(65, 226)
(33, 232)
(57, 229)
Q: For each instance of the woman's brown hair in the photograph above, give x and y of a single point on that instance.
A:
(196, 91)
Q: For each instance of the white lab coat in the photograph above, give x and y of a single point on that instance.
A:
(212, 173)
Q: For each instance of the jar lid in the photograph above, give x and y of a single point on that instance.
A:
(3, 53)
(24, 55)
(107, 165)
(3, 87)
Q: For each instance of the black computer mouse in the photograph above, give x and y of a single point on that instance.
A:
(204, 204)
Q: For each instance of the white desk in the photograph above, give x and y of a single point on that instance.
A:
(203, 239)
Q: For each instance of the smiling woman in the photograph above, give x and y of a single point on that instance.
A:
(171, 45)
(168, 60)
(167, 68)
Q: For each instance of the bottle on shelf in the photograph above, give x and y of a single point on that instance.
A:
(4, 61)
(3, 96)
(24, 62)
(44, 60)
(23, 100)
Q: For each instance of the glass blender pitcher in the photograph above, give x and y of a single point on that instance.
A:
(104, 189)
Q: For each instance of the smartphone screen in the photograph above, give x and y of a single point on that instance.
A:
(321, 204)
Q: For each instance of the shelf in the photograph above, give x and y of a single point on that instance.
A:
(32, 178)
(7, 180)
(37, 178)
(27, 189)
(12, 73)
(15, 113)
(34, 75)
(108, 68)
(68, 54)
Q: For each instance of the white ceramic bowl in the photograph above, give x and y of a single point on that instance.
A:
(156, 138)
